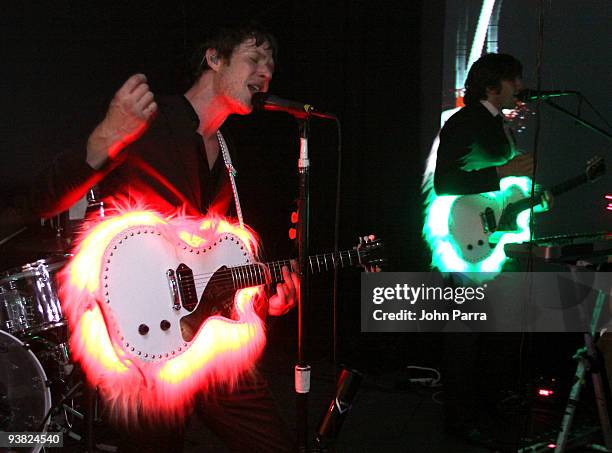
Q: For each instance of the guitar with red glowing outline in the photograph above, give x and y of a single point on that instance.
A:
(158, 293)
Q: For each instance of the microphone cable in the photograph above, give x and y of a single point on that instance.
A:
(336, 240)
(530, 258)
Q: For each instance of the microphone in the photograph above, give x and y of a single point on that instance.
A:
(532, 95)
(271, 103)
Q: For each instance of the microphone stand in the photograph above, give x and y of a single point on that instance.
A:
(302, 112)
(302, 369)
(579, 120)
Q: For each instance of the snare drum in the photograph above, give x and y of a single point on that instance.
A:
(28, 297)
(25, 398)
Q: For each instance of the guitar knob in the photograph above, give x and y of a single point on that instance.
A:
(164, 325)
(143, 329)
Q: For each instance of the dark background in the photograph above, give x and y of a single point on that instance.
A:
(377, 65)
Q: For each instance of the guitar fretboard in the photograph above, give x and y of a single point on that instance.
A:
(558, 189)
(569, 184)
(272, 272)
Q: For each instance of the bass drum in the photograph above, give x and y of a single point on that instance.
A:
(25, 398)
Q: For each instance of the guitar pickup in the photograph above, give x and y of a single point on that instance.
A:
(489, 224)
(187, 288)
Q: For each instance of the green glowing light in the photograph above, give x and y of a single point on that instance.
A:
(446, 252)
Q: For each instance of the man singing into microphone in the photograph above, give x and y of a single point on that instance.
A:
(476, 149)
(169, 150)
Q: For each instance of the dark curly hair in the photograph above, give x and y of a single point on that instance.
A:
(225, 40)
(488, 72)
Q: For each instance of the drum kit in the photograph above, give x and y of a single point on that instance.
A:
(41, 390)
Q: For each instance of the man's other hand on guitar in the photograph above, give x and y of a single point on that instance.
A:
(521, 165)
(287, 294)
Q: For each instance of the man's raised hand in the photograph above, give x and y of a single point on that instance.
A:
(127, 117)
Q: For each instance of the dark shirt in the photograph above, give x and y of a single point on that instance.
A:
(472, 144)
(165, 169)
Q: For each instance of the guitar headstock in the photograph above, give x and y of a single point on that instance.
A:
(371, 252)
(595, 167)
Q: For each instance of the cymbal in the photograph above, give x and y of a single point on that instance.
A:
(29, 246)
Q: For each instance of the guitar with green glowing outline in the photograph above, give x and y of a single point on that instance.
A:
(467, 233)
(479, 224)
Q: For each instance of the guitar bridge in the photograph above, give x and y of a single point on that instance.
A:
(174, 292)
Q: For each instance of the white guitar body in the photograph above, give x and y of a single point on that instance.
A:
(140, 308)
(467, 227)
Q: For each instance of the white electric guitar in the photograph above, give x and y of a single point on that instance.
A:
(157, 293)
(478, 222)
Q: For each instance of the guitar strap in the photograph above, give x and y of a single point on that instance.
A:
(231, 171)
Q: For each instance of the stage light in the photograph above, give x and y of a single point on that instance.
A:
(545, 392)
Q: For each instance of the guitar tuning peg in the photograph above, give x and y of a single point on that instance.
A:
(366, 239)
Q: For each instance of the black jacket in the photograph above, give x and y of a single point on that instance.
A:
(472, 144)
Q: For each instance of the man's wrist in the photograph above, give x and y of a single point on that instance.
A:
(102, 146)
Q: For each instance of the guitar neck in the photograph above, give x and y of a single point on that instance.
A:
(558, 189)
(569, 184)
(272, 273)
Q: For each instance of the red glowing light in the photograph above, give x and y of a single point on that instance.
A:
(545, 392)
(552, 446)
(218, 355)
(292, 233)
(294, 217)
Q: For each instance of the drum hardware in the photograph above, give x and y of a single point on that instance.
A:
(587, 364)
(575, 249)
(28, 298)
(55, 358)
(4, 240)
(95, 206)
(32, 326)
(60, 405)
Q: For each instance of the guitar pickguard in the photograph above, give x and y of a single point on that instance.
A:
(137, 302)
(470, 233)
